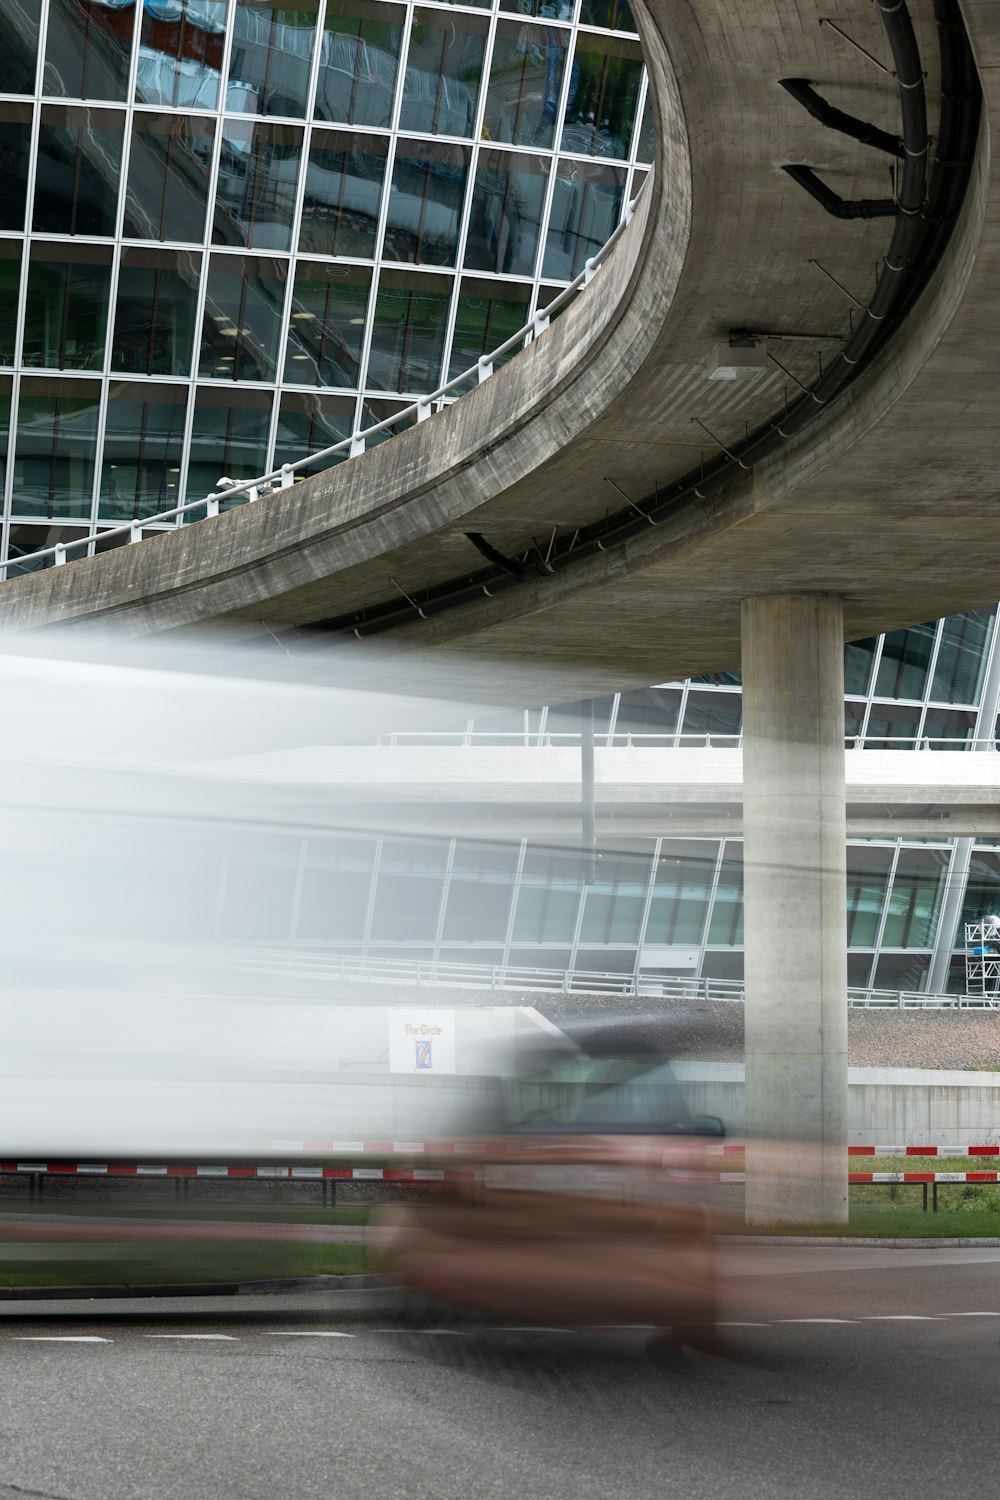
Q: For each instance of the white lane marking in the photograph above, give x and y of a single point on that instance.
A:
(449, 1333)
(304, 1333)
(743, 1325)
(221, 1337)
(898, 1318)
(970, 1315)
(816, 1320)
(59, 1338)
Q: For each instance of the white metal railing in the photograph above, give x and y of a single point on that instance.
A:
(663, 739)
(415, 971)
(283, 477)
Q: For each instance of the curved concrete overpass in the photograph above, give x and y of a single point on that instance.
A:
(885, 499)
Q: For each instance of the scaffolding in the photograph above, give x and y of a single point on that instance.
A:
(982, 957)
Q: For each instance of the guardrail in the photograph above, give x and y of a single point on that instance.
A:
(664, 740)
(283, 477)
(578, 981)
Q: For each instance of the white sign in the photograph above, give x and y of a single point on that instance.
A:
(421, 1041)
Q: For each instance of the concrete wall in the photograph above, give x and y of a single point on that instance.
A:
(887, 1107)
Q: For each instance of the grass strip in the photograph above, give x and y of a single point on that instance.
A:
(82, 1264)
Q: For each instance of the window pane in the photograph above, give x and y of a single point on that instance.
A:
(66, 318)
(87, 49)
(25, 540)
(603, 92)
(867, 879)
(15, 139)
(10, 283)
(326, 329)
(259, 889)
(859, 657)
(169, 164)
(902, 971)
(425, 203)
(19, 41)
(373, 412)
(6, 386)
(614, 902)
(56, 447)
(586, 206)
(480, 891)
(79, 168)
(906, 655)
(143, 442)
(409, 890)
(892, 727)
(913, 904)
(525, 87)
(180, 53)
(357, 76)
(343, 195)
(408, 333)
(229, 437)
(613, 15)
(646, 148)
(487, 314)
(954, 726)
(713, 713)
(258, 176)
(505, 219)
(308, 422)
(982, 892)
(961, 660)
(726, 926)
(649, 711)
(155, 316)
(443, 72)
(243, 306)
(680, 892)
(333, 903)
(272, 54)
(548, 898)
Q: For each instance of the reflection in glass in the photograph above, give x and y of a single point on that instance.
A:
(242, 325)
(143, 443)
(308, 422)
(359, 62)
(87, 49)
(486, 315)
(955, 726)
(906, 657)
(681, 889)
(169, 164)
(961, 658)
(505, 217)
(6, 388)
(66, 317)
(26, 540)
(911, 917)
(375, 411)
(545, 10)
(55, 447)
(15, 140)
(408, 332)
(180, 53)
(726, 925)
(892, 726)
(646, 147)
(548, 898)
(613, 15)
(271, 57)
(79, 170)
(409, 891)
(155, 313)
(10, 284)
(859, 657)
(327, 326)
(19, 21)
(586, 206)
(343, 193)
(650, 712)
(425, 203)
(229, 437)
(258, 176)
(444, 69)
(614, 903)
(603, 91)
(479, 892)
(526, 74)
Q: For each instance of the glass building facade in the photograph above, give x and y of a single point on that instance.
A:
(232, 231)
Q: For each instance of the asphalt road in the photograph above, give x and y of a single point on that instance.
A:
(322, 1394)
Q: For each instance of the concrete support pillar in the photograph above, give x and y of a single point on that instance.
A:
(794, 849)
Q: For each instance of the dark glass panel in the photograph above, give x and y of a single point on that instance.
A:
(242, 324)
(169, 165)
(180, 53)
(731, 678)
(408, 333)
(681, 889)
(505, 218)
(603, 92)
(649, 711)
(891, 726)
(343, 194)
(408, 891)
(906, 656)
(859, 657)
(613, 15)
(425, 203)
(308, 422)
(548, 899)
(87, 49)
(25, 540)
(79, 170)
(487, 314)
(258, 176)
(713, 713)
(982, 891)
(6, 387)
(902, 971)
(726, 924)
(229, 437)
(586, 206)
(917, 885)
(19, 22)
(444, 69)
(867, 880)
(271, 57)
(566, 718)
(614, 902)
(373, 412)
(327, 326)
(155, 314)
(360, 60)
(480, 890)
(525, 87)
(954, 726)
(545, 10)
(854, 716)
(15, 142)
(646, 147)
(961, 658)
(56, 447)
(143, 443)
(66, 318)
(10, 283)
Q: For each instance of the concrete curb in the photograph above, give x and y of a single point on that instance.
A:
(197, 1288)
